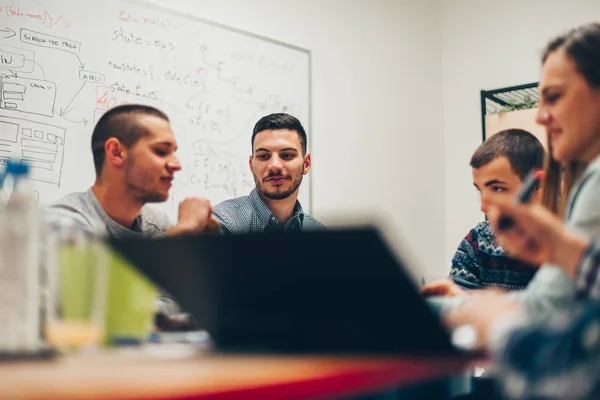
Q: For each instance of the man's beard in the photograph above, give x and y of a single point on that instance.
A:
(136, 184)
(275, 195)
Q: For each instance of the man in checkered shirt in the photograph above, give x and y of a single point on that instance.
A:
(278, 163)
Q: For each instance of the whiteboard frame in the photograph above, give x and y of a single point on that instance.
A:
(201, 20)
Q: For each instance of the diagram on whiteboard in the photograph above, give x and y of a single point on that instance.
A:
(63, 64)
(40, 145)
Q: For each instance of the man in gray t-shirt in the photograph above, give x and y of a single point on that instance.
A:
(133, 147)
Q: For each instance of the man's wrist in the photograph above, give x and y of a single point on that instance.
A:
(180, 229)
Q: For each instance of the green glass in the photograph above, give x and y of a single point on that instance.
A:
(100, 298)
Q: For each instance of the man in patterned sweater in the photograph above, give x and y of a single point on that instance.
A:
(479, 262)
(499, 166)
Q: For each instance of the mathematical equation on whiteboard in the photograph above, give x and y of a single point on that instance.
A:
(59, 74)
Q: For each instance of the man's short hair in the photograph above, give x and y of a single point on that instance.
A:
(523, 151)
(121, 123)
(280, 121)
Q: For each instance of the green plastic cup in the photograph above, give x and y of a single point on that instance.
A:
(78, 282)
(100, 298)
(130, 303)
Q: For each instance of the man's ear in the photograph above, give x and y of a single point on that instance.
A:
(307, 164)
(250, 162)
(116, 153)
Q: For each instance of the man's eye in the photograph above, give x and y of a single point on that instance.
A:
(287, 156)
(498, 189)
(552, 98)
(160, 152)
(263, 156)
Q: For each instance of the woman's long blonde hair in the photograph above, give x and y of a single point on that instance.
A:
(559, 181)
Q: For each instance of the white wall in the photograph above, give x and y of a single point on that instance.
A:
(488, 45)
(376, 101)
(395, 101)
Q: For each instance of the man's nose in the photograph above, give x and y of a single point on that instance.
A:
(275, 163)
(484, 203)
(174, 164)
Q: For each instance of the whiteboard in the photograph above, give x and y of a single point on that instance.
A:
(64, 63)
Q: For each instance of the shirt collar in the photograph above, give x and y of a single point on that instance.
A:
(265, 215)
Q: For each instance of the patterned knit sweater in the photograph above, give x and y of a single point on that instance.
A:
(480, 262)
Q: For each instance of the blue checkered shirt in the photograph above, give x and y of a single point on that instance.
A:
(559, 359)
(250, 214)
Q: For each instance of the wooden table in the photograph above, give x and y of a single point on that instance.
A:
(175, 374)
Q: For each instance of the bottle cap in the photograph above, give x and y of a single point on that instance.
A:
(17, 167)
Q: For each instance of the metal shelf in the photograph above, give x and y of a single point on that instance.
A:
(494, 101)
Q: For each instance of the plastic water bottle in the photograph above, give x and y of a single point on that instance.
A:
(20, 263)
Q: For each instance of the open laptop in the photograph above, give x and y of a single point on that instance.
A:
(336, 291)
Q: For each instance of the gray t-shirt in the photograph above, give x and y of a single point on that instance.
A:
(84, 210)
